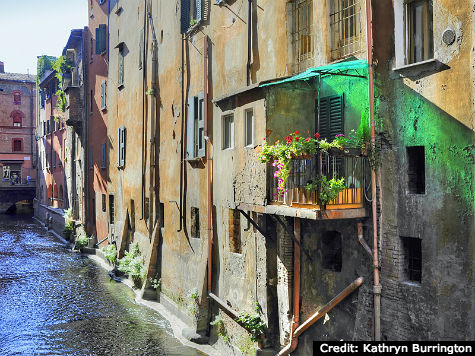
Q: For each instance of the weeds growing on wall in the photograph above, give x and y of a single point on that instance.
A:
(132, 264)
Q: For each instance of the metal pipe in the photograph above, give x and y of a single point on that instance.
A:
(321, 312)
(231, 312)
(183, 39)
(209, 163)
(377, 286)
(361, 239)
(153, 197)
(249, 30)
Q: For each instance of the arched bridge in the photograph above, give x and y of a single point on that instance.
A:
(12, 194)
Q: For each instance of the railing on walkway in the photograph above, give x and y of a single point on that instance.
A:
(354, 169)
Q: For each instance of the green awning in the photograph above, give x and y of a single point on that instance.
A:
(348, 68)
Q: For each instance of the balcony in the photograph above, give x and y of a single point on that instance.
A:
(354, 169)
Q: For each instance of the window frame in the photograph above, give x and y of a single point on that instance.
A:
(428, 29)
(120, 66)
(301, 31)
(15, 141)
(341, 16)
(231, 131)
(252, 143)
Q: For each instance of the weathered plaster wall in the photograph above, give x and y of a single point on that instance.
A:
(431, 106)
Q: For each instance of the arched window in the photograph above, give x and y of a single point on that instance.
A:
(17, 117)
(17, 97)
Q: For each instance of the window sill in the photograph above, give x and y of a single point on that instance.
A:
(415, 65)
(194, 159)
(412, 284)
(120, 86)
(104, 109)
(193, 28)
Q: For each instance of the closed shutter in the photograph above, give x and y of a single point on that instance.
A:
(103, 155)
(185, 15)
(101, 36)
(121, 148)
(199, 10)
(103, 94)
(201, 126)
(121, 66)
(331, 117)
(190, 131)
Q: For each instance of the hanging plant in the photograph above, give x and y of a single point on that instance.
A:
(327, 190)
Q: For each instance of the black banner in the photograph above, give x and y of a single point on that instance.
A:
(322, 348)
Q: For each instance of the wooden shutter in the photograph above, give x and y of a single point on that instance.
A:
(103, 94)
(122, 141)
(199, 10)
(101, 36)
(185, 15)
(121, 66)
(200, 132)
(103, 155)
(190, 130)
(331, 117)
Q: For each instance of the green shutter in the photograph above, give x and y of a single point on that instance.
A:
(103, 94)
(101, 36)
(190, 131)
(200, 132)
(331, 117)
(185, 15)
(199, 10)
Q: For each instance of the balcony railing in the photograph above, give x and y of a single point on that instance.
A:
(354, 169)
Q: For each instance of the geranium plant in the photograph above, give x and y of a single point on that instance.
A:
(327, 190)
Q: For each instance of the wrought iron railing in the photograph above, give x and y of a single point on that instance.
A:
(354, 169)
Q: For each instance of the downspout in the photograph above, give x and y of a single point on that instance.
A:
(144, 83)
(209, 163)
(296, 286)
(183, 37)
(376, 286)
(152, 124)
(361, 239)
(249, 30)
(86, 192)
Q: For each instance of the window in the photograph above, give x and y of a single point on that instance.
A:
(54, 159)
(195, 127)
(302, 40)
(42, 98)
(103, 155)
(141, 46)
(121, 139)
(331, 251)
(111, 209)
(330, 121)
(47, 127)
(92, 49)
(416, 180)
(93, 210)
(17, 121)
(411, 259)
(249, 128)
(120, 81)
(235, 231)
(195, 223)
(162, 215)
(103, 94)
(345, 28)
(101, 2)
(60, 157)
(17, 145)
(419, 31)
(228, 131)
(61, 193)
(191, 13)
(17, 98)
(104, 203)
(101, 38)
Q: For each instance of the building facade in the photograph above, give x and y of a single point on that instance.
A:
(17, 128)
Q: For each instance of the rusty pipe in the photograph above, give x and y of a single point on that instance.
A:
(361, 239)
(377, 286)
(321, 312)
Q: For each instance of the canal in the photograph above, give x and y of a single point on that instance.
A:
(56, 302)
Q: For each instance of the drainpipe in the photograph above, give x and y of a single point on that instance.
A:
(249, 30)
(377, 286)
(361, 239)
(209, 163)
(183, 38)
(296, 296)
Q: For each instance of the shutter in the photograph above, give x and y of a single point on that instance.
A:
(121, 66)
(201, 126)
(103, 155)
(141, 45)
(185, 15)
(101, 35)
(103, 94)
(98, 36)
(199, 10)
(122, 146)
(331, 117)
(118, 147)
(190, 131)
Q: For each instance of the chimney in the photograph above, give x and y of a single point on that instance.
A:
(2, 67)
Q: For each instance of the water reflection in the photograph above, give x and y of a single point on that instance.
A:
(55, 302)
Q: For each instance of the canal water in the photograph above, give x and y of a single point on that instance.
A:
(56, 302)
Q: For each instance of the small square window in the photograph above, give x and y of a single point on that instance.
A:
(228, 132)
(249, 128)
(411, 259)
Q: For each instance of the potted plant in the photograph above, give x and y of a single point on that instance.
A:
(327, 190)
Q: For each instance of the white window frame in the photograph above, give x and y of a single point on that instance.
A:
(223, 131)
(246, 144)
(400, 35)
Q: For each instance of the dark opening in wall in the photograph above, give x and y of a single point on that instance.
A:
(331, 251)
(162, 215)
(195, 223)
(411, 259)
(416, 176)
(111, 209)
(235, 231)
